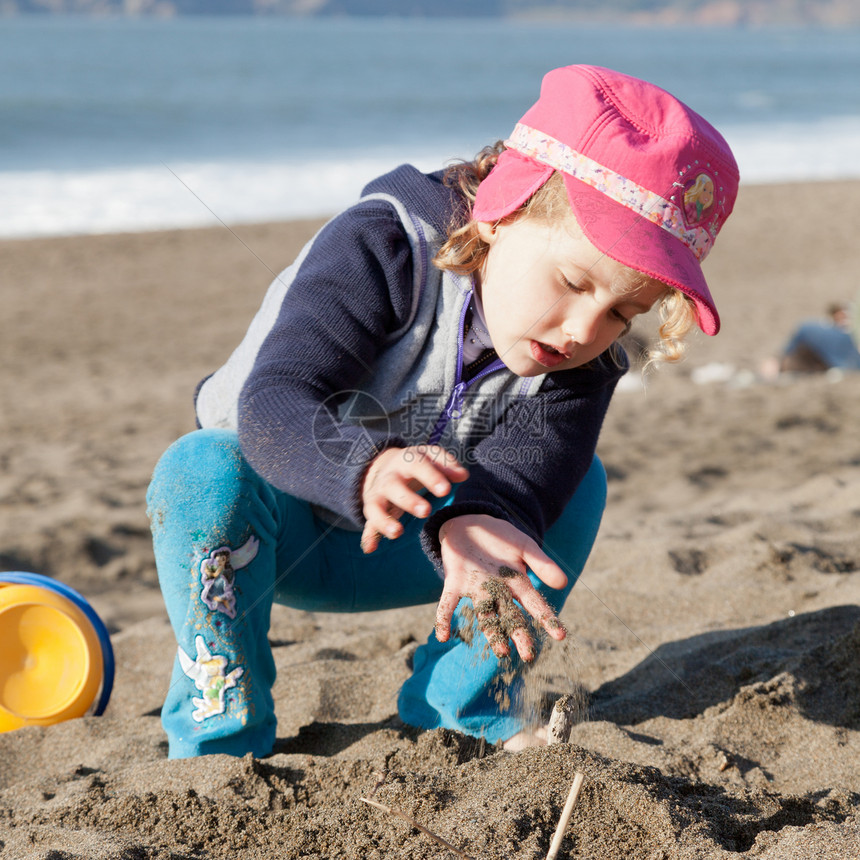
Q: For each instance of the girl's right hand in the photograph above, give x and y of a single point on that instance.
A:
(391, 484)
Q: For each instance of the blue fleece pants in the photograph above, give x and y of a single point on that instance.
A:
(228, 545)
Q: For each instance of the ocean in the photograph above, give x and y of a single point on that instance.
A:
(110, 125)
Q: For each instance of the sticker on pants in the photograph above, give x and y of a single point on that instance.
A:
(208, 673)
(218, 575)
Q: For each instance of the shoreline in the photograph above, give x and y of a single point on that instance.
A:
(214, 222)
(311, 221)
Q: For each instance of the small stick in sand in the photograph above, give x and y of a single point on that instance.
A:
(381, 776)
(572, 797)
(437, 839)
(561, 721)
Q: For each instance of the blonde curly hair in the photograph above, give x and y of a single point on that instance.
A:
(464, 251)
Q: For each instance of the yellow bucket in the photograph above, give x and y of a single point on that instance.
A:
(52, 663)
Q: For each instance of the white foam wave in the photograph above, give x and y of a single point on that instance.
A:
(787, 152)
(150, 197)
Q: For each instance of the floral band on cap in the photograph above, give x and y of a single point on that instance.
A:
(681, 222)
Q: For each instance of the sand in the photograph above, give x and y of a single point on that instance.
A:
(715, 634)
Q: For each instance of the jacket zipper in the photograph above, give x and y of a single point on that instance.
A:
(453, 408)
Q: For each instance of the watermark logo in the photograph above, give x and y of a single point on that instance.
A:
(348, 425)
(340, 427)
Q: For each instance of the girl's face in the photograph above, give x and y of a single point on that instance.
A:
(551, 300)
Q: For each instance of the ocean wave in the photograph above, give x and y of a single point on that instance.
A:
(790, 151)
(162, 196)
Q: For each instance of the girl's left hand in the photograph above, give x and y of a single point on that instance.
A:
(485, 559)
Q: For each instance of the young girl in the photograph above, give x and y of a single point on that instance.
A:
(413, 413)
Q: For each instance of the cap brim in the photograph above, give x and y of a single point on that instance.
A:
(513, 179)
(640, 244)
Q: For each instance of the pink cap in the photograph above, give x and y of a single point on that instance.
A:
(649, 180)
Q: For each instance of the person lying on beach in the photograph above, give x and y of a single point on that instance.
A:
(413, 413)
(817, 346)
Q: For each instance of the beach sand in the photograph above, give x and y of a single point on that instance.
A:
(715, 633)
